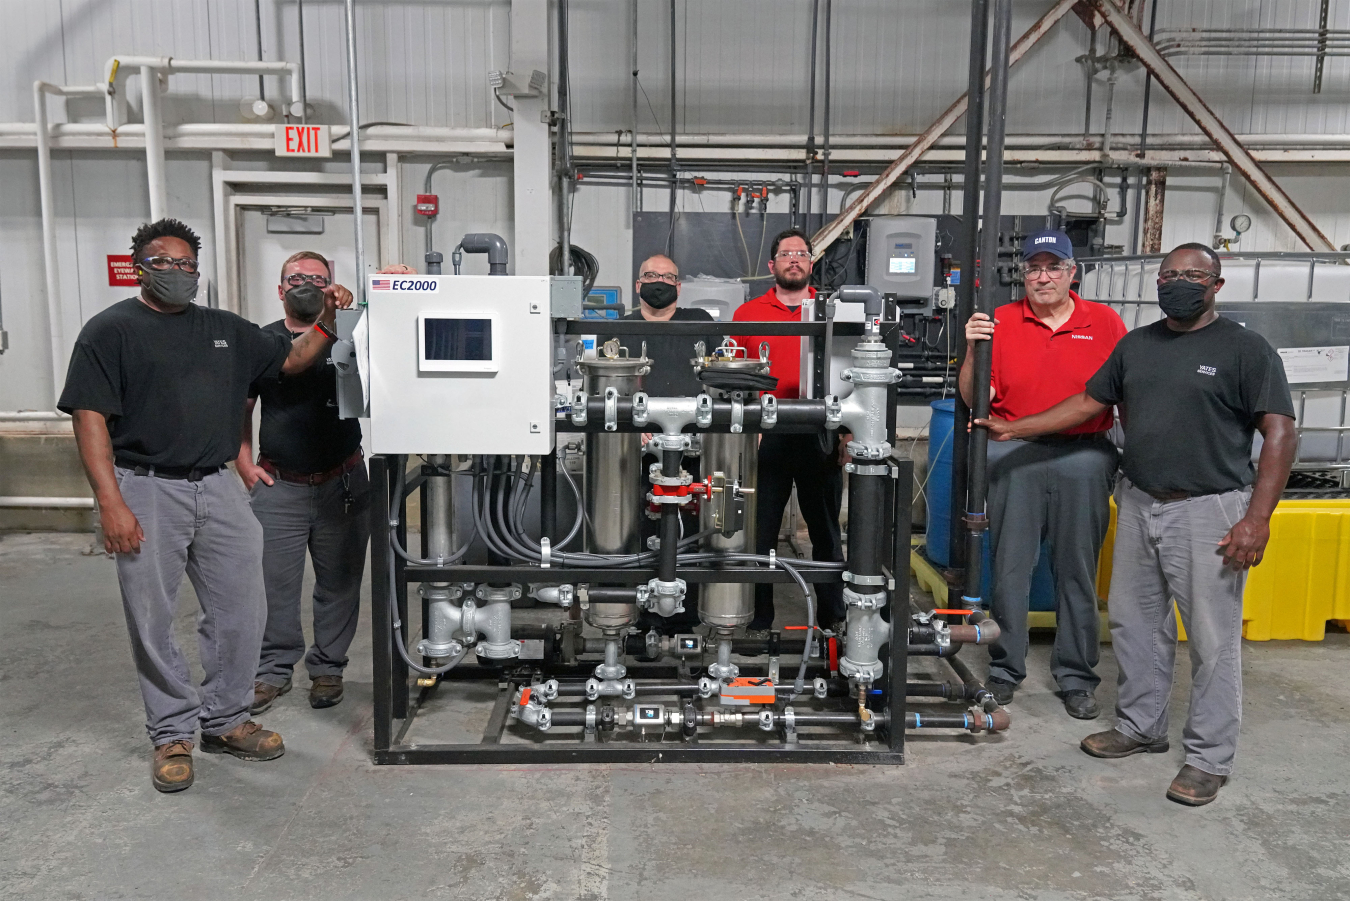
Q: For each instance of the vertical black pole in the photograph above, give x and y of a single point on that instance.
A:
(400, 599)
(670, 236)
(897, 670)
(548, 495)
(1143, 140)
(382, 636)
(965, 291)
(976, 519)
(810, 124)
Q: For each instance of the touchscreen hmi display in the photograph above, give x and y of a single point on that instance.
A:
(457, 339)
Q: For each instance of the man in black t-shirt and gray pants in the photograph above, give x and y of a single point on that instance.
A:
(1192, 389)
(157, 387)
(309, 489)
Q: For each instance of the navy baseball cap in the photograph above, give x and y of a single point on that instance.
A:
(1047, 241)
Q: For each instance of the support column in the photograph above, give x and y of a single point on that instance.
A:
(1153, 210)
(532, 174)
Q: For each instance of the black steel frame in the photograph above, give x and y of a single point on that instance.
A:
(393, 688)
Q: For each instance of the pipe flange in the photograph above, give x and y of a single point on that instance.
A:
(590, 718)
(579, 408)
(664, 598)
(723, 672)
(676, 442)
(496, 594)
(873, 601)
(789, 721)
(440, 592)
(866, 469)
(439, 649)
(863, 673)
(611, 409)
(639, 408)
(704, 411)
(498, 650)
(658, 477)
(834, 412)
(863, 451)
(854, 579)
(768, 411)
(708, 687)
(628, 689)
(766, 720)
(820, 688)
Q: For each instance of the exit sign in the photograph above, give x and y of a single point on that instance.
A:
(303, 140)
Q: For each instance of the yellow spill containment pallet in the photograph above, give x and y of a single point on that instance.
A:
(1302, 583)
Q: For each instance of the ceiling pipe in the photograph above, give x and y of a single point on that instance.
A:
(354, 134)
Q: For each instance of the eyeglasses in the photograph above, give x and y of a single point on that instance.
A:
(669, 278)
(1059, 270)
(164, 264)
(792, 255)
(1190, 275)
(295, 280)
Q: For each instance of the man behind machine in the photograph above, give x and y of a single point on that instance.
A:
(1193, 388)
(1055, 488)
(672, 375)
(785, 460)
(309, 489)
(658, 288)
(157, 387)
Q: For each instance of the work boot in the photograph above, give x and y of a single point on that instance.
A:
(1194, 787)
(1001, 689)
(171, 768)
(1113, 744)
(325, 691)
(264, 694)
(247, 741)
(1081, 704)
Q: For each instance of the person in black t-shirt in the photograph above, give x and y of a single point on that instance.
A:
(1192, 516)
(157, 386)
(309, 490)
(658, 290)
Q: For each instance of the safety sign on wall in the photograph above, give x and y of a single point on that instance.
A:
(121, 271)
(303, 140)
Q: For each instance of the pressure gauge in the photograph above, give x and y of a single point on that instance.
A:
(1241, 223)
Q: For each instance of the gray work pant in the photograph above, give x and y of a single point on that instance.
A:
(1169, 551)
(206, 530)
(296, 518)
(1058, 493)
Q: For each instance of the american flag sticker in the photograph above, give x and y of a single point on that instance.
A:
(380, 284)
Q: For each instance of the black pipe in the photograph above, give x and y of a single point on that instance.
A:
(935, 650)
(794, 416)
(977, 478)
(568, 717)
(825, 124)
(810, 123)
(609, 595)
(670, 235)
(965, 290)
(1143, 142)
(866, 529)
(548, 496)
(997, 721)
(670, 518)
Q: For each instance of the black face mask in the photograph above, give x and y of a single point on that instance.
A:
(1182, 300)
(658, 295)
(172, 287)
(305, 301)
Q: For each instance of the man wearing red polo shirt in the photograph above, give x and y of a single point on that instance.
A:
(1054, 488)
(788, 459)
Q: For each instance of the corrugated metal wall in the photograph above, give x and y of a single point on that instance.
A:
(743, 66)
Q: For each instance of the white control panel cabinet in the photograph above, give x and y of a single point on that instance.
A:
(460, 364)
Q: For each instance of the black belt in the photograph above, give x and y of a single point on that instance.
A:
(1067, 439)
(191, 474)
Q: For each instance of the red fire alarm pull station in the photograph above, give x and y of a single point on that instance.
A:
(427, 204)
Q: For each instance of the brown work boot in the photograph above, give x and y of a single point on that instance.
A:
(1194, 787)
(1112, 744)
(264, 694)
(247, 741)
(326, 691)
(171, 768)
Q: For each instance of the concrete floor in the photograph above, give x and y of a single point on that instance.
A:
(1023, 816)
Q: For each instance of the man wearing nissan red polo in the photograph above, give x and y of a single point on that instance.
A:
(1054, 488)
